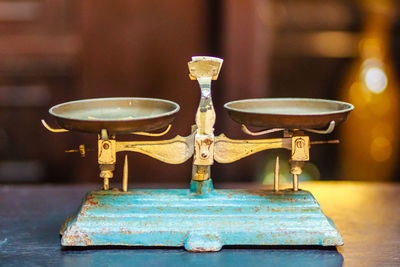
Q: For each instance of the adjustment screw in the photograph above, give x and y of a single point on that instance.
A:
(300, 143)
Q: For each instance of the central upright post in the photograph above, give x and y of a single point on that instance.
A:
(204, 70)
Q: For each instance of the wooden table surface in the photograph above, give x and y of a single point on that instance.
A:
(366, 214)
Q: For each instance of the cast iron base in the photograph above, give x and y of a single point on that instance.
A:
(206, 222)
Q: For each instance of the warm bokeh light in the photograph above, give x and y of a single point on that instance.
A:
(381, 148)
(369, 139)
(375, 79)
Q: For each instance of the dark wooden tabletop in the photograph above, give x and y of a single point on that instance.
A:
(366, 214)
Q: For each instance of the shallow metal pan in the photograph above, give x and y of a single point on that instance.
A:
(117, 115)
(289, 113)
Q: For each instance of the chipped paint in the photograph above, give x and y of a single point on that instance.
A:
(199, 222)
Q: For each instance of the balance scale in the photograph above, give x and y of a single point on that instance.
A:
(200, 218)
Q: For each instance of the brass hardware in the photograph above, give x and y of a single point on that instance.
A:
(106, 184)
(300, 153)
(173, 151)
(104, 134)
(201, 143)
(125, 175)
(228, 150)
(201, 172)
(205, 117)
(204, 150)
(106, 151)
(325, 142)
(268, 131)
(204, 70)
(276, 175)
(82, 150)
(106, 172)
(330, 129)
(300, 148)
(154, 134)
(295, 169)
(48, 127)
(295, 182)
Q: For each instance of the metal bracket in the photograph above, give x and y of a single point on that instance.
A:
(173, 151)
(53, 130)
(268, 131)
(204, 149)
(106, 151)
(300, 148)
(228, 150)
(154, 134)
(330, 129)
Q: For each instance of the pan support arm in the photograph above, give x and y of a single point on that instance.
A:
(173, 151)
(228, 150)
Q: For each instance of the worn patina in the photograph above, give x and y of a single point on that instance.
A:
(199, 218)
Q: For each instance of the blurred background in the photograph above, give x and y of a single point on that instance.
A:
(53, 51)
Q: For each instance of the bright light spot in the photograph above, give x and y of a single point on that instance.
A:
(375, 79)
(381, 149)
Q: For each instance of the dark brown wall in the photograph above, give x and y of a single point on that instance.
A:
(53, 51)
(141, 49)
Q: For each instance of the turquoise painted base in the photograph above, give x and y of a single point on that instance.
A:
(199, 222)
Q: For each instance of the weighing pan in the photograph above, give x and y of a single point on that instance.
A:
(288, 113)
(117, 115)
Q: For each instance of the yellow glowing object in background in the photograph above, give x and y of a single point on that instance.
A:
(375, 79)
(369, 147)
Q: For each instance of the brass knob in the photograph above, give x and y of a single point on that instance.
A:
(82, 150)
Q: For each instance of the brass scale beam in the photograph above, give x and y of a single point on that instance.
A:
(201, 143)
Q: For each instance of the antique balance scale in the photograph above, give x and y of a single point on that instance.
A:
(200, 218)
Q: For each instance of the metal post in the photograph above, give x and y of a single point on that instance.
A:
(295, 182)
(125, 175)
(106, 184)
(276, 175)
